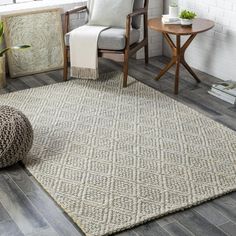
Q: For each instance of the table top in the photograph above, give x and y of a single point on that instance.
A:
(199, 26)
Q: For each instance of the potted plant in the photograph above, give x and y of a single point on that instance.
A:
(2, 56)
(173, 9)
(187, 17)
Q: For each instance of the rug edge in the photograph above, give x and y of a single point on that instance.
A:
(122, 229)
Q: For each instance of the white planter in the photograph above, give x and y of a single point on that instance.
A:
(173, 11)
(2, 72)
(186, 22)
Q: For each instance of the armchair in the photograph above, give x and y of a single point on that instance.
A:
(116, 43)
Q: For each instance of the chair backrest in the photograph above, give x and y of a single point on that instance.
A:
(136, 23)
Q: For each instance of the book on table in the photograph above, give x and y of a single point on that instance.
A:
(167, 19)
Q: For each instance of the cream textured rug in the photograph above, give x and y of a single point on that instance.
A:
(114, 158)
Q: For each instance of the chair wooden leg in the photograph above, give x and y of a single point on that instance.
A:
(125, 69)
(178, 58)
(65, 70)
(146, 53)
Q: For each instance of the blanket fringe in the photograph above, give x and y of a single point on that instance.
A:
(84, 73)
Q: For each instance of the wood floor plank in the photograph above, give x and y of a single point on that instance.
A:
(57, 75)
(4, 216)
(44, 232)
(18, 206)
(151, 229)
(197, 224)
(233, 195)
(3, 91)
(127, 233)
(213, 104)
(211, 214)
(165, 220)
(9, 228)
(44, 79)
(229, 228)
(227, 206)
(17, 84)
(227, 121)
(44, 204)
(176, 229)
(31, 81)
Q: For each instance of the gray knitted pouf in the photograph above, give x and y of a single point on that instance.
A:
(16, 136)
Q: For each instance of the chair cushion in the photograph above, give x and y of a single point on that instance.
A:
(110, 13)
(112, 38)
(137, 19)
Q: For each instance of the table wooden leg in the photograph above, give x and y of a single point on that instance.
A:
(178, 58)
(163, 71)
(173, 60)
(188, 42)
(169, 41)
(189, 69)
(183, 61)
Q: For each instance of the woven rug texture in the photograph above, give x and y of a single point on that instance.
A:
(114, 158)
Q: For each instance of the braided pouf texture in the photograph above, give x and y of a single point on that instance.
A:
(16, 136)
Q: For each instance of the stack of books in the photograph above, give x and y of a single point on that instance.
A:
(225, 94)
(168, 20)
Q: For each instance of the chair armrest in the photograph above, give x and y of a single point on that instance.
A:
(75, 10)
(138, 12)
(142, 11)
(67, 16)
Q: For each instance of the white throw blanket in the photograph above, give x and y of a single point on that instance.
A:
(84, 51)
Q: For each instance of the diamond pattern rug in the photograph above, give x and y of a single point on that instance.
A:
(114, 158)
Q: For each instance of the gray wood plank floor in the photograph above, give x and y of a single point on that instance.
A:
(26, 209)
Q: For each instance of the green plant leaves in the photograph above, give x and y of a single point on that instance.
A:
(21, 47)
(1, 31)
(14, 48)
(3, 51)
(10, 48)
(189, 15)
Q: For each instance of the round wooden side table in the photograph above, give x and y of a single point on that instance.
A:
(178, 50)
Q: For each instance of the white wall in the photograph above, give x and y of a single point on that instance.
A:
(38, 5)
(214, 52)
